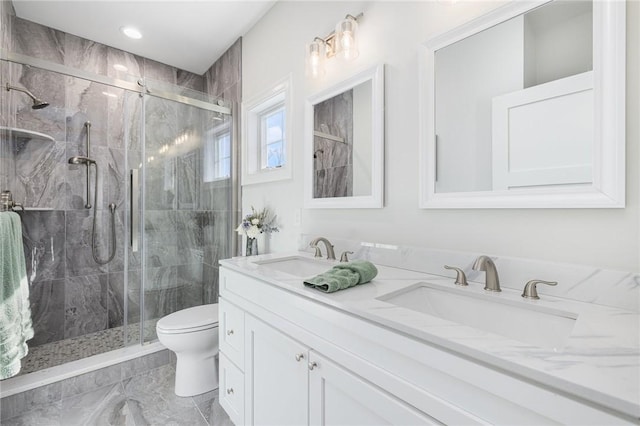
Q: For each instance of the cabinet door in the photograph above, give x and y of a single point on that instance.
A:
(339, 397)
(276, 379)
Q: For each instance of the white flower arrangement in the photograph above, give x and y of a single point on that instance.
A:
(257, 223)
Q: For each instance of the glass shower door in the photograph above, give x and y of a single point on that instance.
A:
(79, 307)
(186, 178)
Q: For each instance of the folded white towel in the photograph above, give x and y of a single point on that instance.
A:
(15, 316)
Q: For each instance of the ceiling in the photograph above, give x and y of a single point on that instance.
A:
(190, 35)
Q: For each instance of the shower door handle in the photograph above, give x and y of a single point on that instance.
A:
(87, 205)
(134, 193)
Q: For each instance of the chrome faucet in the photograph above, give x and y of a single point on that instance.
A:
(330, 253)
(484, 263)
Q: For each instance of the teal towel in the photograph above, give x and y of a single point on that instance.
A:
(15, 316)
(343, 276)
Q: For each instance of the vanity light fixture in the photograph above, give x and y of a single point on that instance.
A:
(342, 42)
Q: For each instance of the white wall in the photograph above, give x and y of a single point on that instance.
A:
(391, 32)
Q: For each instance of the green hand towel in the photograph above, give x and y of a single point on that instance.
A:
(343, 276)
(15, 316)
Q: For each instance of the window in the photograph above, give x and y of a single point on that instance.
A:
(217, 154)
(266, 155)
(272, 138)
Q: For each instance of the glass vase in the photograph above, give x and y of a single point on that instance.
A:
(252, 247)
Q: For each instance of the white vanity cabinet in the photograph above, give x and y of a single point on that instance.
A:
(290, 384)
(303, 361)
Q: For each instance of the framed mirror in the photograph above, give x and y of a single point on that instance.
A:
(525, 108)
(344, 143)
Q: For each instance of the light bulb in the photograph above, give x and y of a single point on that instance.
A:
(315, 59)
(346, 41)
(347, 45)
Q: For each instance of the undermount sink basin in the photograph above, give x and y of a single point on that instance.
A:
(296, 265)
(515, 319)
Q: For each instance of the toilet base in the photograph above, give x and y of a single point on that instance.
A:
(195, 375)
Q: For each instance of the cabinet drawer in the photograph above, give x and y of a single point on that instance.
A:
(231, 329)
(231, 390)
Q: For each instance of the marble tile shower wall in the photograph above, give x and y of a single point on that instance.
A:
(333, 160)
(222, 80)
(70, 294)
(6, 10)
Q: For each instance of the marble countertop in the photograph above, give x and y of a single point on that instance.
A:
(600, 361)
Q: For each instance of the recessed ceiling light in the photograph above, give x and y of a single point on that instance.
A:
(120, 67)
(131, 32)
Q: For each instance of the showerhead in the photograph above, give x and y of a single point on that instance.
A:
(81, 160)
(37, 102)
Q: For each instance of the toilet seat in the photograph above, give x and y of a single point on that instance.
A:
(189, 320)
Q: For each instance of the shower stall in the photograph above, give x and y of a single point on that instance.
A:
(160, 159)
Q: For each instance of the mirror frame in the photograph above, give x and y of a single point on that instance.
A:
(609, 68)
(376, 199)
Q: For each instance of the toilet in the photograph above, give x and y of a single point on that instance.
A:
(192, 334)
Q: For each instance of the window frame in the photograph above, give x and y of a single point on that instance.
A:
(278, 96)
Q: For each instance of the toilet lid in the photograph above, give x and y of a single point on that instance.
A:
(197, 317)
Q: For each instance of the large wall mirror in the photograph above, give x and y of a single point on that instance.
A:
(525, 107)
(344, 144)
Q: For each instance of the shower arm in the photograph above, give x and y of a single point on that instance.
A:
(87, 126)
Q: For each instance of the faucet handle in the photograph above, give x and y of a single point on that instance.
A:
(461, 278)
(530, 290)
(318, 252)
(344, 257)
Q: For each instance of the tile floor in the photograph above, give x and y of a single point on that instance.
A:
(146, 399)
(63, 351)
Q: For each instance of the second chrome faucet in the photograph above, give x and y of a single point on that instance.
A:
(484, 263)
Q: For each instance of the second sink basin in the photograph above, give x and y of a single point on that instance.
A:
(297, 265)
(541, 326)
